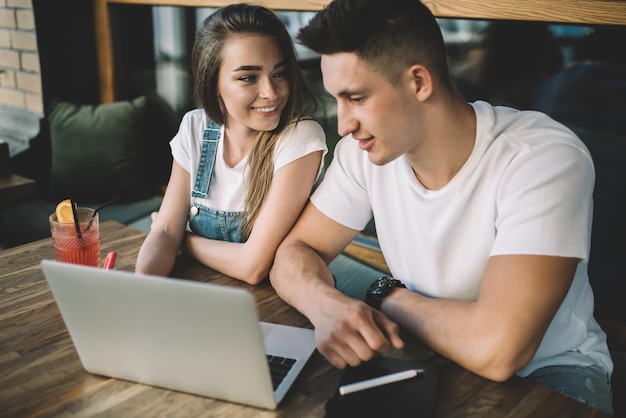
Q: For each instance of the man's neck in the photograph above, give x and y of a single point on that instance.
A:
(450, 141)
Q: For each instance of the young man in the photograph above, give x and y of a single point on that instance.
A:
(483, 214)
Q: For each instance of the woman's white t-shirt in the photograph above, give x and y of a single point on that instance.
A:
(227, 190)
(525, 189)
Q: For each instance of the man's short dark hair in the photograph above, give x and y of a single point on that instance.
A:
(391, 35)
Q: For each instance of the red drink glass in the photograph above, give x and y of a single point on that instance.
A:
(69, 247)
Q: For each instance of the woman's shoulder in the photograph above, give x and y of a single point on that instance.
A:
(306, 128)
(299, 139)
(192, 127)
(195, 118)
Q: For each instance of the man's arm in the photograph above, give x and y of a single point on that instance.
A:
(347, 331)
(499, 333)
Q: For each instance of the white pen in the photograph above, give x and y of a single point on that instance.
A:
(379, 381)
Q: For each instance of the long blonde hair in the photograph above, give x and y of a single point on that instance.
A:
(206, 62)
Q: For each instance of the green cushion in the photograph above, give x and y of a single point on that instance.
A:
(97, 150)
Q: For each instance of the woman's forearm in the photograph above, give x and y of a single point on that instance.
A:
(157, 254)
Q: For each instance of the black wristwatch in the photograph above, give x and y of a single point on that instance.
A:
(380, 289)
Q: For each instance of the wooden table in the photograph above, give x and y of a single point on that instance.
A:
(40, 373)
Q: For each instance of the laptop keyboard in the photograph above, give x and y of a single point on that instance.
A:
(279, 367)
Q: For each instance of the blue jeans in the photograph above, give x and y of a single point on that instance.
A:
(216, 224)
(588, 384)
(204, 221)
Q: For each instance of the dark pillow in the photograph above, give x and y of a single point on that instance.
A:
(164, 123)
(608, 236)
(97, 150)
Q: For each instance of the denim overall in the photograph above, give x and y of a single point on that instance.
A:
(204, 221)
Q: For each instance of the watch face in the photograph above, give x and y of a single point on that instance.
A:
(377, 285)
(380, 289)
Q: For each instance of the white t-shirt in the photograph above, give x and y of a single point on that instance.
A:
(508, 198)
(227, 190)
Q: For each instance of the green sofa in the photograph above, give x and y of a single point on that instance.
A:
(93, 153)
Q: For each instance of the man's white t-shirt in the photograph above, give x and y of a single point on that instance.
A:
(227, 190)
(526, 188)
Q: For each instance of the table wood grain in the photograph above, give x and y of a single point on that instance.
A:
(41, 375)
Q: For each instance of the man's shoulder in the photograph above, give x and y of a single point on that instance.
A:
(523, 127)
(348, 154)
(510, 119)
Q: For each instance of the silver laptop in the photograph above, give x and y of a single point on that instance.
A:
(177, 334)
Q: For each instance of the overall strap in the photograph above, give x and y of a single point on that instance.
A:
(210, 139)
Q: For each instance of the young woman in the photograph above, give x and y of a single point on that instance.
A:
(245, 162)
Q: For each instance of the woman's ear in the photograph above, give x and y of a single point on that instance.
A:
(420, 81)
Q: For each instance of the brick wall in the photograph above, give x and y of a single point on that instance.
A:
(20, 75)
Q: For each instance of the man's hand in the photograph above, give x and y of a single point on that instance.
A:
(348, 332)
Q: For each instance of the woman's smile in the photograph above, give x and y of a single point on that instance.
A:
(253, 83)
(267, 110)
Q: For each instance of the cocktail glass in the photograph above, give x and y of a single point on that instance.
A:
(73, 247)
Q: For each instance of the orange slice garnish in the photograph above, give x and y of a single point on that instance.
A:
(64, 212)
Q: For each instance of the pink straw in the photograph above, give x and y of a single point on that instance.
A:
(109, 262)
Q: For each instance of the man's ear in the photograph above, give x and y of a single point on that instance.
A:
(420, 81)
